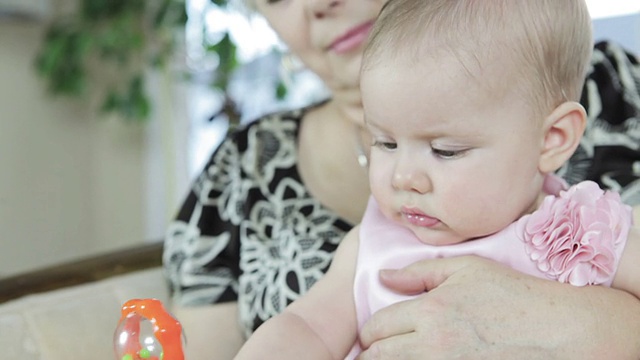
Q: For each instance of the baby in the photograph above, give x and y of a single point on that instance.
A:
(472, 106)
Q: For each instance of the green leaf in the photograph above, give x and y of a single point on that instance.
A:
(111, 102)
(226, 51)
(281, 90)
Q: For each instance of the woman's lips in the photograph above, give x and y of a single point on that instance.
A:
(417, 218)
(352, 39)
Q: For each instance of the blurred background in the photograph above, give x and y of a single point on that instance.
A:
(108, 109)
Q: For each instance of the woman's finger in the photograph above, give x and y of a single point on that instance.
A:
(396, 347)
(394, 320)
(425, 275)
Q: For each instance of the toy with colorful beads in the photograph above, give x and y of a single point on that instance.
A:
(146, 331)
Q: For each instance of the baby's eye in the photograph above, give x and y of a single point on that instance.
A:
(385, 145)
(447, 154)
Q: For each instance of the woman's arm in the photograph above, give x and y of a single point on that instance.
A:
(201, 262)
(477, 309)
(211, 331)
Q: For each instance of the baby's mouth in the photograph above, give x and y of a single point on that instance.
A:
(418, 218)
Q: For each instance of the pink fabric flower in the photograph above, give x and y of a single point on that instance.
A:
(575, 237)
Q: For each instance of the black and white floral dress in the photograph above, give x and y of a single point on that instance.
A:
(249, 231)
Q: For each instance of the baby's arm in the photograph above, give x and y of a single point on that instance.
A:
(319, 325)
(628, 275)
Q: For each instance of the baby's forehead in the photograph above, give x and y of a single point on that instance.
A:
(474, 81)
(487, 68)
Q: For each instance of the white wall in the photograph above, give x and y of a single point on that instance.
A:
(73, 185)
(45, 162)
(624, 29)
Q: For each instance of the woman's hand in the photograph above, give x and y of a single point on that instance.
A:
(476, 309)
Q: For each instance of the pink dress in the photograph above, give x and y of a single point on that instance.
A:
(576, 236)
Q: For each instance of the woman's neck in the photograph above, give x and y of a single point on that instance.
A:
(328, 153)
(348, 103)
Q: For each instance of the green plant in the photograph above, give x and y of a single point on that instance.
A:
(225, 50)
(122, 38)
(113, 43)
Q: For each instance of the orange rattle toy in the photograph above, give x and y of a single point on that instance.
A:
(146, 331)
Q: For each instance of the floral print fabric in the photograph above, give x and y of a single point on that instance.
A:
(249, 230)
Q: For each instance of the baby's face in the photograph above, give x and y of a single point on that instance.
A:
(451, 160)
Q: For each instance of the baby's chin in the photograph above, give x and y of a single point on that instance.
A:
(435, 237)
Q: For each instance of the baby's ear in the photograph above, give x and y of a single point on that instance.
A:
(563, 129)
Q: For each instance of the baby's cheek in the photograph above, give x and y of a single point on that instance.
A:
(380, 182)
(472, 206)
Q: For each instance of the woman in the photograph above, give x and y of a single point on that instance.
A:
(266, 214)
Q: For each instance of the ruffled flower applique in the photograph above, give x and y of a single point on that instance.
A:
(575, 237)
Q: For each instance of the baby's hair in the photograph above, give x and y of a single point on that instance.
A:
(547, 43)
